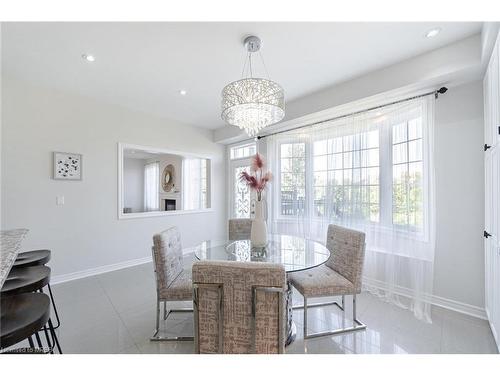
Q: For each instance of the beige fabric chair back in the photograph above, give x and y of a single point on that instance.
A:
(167, 256)
(347, 248)
(239, 307)
(239, 229)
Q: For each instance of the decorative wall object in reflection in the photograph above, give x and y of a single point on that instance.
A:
(67, 166)
(168, 178)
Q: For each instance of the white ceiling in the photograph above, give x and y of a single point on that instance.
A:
(144, 65)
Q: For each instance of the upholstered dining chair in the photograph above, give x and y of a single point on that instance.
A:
(339, 276)
(173, 283)
(239, 307)
(239, 229)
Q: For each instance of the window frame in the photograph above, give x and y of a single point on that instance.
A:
(385, 222)
(241, 145)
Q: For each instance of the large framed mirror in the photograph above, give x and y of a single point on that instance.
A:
(157, 182)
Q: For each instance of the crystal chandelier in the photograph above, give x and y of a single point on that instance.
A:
(252, 103)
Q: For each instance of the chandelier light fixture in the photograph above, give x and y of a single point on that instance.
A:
(252, 103)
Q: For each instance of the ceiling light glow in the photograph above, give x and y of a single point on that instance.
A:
(432, 33)
(183, 92)
(89, 58)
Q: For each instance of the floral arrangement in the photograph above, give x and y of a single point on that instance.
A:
(257, 180)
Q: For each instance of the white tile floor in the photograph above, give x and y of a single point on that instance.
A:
(115, 313)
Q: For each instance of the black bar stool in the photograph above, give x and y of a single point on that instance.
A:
(21, 317)
(26, 280)
(37, 258)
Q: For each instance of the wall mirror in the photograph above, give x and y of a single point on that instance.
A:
(156, 182)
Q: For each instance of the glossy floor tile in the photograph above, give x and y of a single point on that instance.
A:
(115, 313)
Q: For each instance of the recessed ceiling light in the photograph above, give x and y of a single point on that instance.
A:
(183, 92)
(89, 58)
(432, 33)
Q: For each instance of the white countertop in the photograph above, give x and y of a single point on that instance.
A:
(10, 246)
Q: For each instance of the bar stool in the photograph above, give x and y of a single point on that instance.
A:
(32, 258)
(26, 280)
(21, 317)
(37, 258)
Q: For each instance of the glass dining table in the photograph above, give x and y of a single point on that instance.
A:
(294, 253)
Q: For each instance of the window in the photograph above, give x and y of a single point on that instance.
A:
(348, 168)
(242, 151)
(151, 186)
(195, 181)
(407, 172)
(346, 171)
(292, 178)
(204, 183)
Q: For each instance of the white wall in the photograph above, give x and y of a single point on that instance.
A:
(459, 256)
(85, 232)
(133, 184)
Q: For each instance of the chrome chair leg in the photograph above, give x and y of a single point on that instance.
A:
(357, 325)
(156, 336)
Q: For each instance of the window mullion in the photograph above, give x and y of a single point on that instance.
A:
(385, 174)
(309, 180)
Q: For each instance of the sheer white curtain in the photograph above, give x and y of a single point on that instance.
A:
(193, 184)
(151, 186)
(373, 172)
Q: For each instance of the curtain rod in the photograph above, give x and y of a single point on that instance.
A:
(442, 90)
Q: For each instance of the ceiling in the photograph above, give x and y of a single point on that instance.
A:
(143, 66)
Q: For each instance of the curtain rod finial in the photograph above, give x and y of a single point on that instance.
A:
(442, 90)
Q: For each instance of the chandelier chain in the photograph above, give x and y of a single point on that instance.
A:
(263, 63)
(244, 66)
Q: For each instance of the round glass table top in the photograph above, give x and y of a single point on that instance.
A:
(295, 253)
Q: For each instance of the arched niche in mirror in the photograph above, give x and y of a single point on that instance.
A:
(168, 178)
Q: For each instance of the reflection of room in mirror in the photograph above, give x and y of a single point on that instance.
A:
(154, 182)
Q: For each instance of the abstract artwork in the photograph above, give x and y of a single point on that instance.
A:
(67, 166)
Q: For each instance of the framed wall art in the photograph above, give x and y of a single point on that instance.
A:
(67, 166)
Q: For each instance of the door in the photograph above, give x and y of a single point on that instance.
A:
(492, 192)
(240, 196)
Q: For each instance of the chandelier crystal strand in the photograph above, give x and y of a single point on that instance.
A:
(253, 103)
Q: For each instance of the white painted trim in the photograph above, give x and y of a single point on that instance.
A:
(461, 307)
(493, 330)
(187, 252)
(141, 215)
(449, 304)
(98, 270)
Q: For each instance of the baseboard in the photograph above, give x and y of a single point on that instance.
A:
(98, 270)
(494, 331)
(461, 307)
(108, 268)
(449, 304)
